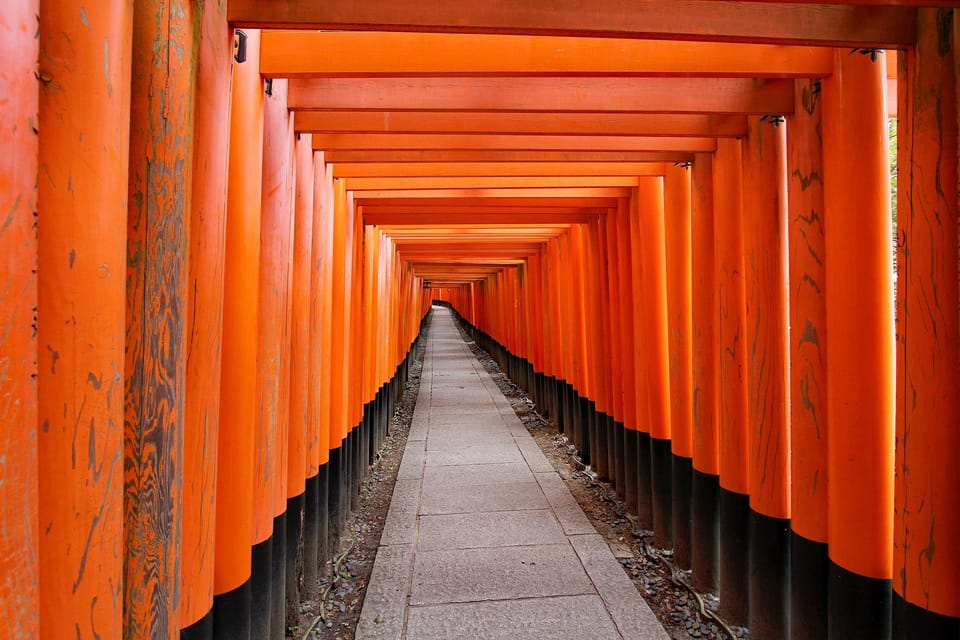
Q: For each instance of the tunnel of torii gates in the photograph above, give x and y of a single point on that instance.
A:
(222, 225)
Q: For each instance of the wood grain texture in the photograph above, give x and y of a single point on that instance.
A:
(728, 215)
(297, 470)
(273, 300)
(706, 357)
(808, 340)
(926, 526)
(19, 606)
(208, 219)
(161, 157)
(82, 194)
(765, 279)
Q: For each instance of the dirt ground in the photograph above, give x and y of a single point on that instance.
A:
(683, 613)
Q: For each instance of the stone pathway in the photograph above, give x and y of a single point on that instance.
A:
(483, 539)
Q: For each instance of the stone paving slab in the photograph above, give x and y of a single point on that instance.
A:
(497, 573)
(494, 529)
(559, 618)
(438, 498)
(617, 590)
(483, 539)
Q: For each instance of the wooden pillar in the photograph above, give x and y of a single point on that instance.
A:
(84, 166)
(808, 360)
(624, 290)
(234, 527)
(860, 349)
(640, 344)
(652, 248)
(273, 350)
(768, 375)
(926, 544)
(18, 339)
(318, 375)
(677, 220)
(705, 490)
(208, 214)
(299, 370)
(158, 226)
(734, 430)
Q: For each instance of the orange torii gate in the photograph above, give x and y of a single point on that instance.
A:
(718, 340)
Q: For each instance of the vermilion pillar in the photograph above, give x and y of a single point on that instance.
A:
(640, 343)
(677, 219)
(705, 496)
(208, 214)
(732, 355)
(624, 290)
(808, 361)
(297, 479)
(234, 527)
(80, 340)
(652, 247)
(768, 375)
(273, 362)
(18, 340)
(860, 347)
(926, 543)
(158, 224)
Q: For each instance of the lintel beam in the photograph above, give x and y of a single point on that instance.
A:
(431, 122)
(413, 141)
(500, 155)
(298, 54)
(770, 22)
(757, 96)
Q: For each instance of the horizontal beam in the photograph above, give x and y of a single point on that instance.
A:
(508, 182)
(500, 155)
(413, 141)
(780, 22)
(489, 169)
(585, 197)
(503, 217)
(297, 54)
(621, 124)
(591, 94)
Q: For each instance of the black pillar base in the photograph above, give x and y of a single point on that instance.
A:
(601, 436)
(911, 621)
(261, 588)
(202, 629)
(617, 453)
(682, 479)
(809, 575)
(334, 492)
(858, 607)
(705, 531)
(278, 576)
(311, 534)
(769, 577)
(294, 530)
(661, 459)
(644, 482)
(734, 556)
(630, 437)
(323, 515)
(231, 614)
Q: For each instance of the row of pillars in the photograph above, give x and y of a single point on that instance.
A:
(200, 344)
(764, 364)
